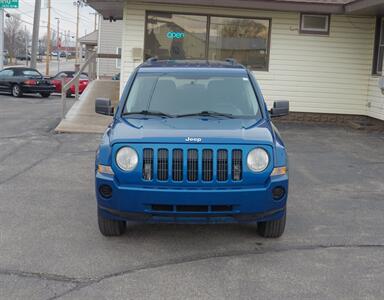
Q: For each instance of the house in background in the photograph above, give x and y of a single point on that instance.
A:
(88, 43)
(109, 41)
(324, 56)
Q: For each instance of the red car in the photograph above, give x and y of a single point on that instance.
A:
(68, 75)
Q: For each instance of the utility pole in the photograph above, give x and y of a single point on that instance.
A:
(77, 33)
(35, 34)
(58, 46)
(1, 38)
(48, 39)
(26, 45)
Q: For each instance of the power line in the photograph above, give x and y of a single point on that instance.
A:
(29, 23)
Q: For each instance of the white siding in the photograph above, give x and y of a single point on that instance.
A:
(327, 74)
(375, 100)
(110, 34)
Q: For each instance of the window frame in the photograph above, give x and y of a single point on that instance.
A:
(378, 42)
(313, 31)
(266, 69)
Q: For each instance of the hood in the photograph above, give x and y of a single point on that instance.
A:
(190, 130)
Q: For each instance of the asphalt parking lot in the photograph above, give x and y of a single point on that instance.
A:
(50, 246)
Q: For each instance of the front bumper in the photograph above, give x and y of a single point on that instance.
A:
(195, 205)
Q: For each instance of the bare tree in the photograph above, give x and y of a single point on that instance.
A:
(44, 42)
(15, 37)
(244, 28)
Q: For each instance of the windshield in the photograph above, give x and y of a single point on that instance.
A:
(179, 94)
(30, 73)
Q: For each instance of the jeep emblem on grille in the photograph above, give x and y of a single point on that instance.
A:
(191, 139)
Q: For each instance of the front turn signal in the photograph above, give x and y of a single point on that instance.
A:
(279, 171)
(105, 170)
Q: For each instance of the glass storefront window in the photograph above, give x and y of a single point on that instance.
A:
(245, 40)
(180, 36)
(175, 36)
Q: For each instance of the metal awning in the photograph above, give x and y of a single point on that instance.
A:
(109, 9)
(114, 9)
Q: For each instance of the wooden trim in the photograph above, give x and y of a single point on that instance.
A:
(109, 55)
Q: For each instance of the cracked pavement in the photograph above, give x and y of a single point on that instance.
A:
(50, 246)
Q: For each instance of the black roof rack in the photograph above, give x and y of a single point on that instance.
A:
(194, 63)
(152, 59)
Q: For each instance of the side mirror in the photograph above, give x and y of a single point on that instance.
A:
(280, 108)
(103, 106)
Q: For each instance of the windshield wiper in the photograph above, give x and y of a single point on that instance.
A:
(207, 113)
(148, 113)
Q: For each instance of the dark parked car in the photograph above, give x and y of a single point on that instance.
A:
(19, 81)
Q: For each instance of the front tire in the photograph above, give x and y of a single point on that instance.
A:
(16, 91)
(110, 227)
(272, 229)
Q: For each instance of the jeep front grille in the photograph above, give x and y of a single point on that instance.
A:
(207, 165)
(148, 164)
(162, 164)
(177, 165)
(222, 165)
(192, 165)
(237, 165)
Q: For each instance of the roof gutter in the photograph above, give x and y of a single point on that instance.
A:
(258, 4)
(362, 5)
(112, 9)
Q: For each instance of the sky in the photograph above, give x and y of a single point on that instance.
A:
(63, 9)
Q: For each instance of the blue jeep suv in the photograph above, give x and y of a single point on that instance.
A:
(191, 141)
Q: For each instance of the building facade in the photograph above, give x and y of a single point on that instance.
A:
(322, 58)
(109, 41)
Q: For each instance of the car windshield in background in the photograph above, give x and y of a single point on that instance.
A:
(30, 73)
(181, 95)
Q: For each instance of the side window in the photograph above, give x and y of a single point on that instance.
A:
(378, 55)
(6, 73)
(28, 73)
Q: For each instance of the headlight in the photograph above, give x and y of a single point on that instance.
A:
(127, 159)
(258, 160)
